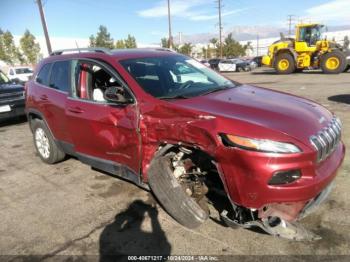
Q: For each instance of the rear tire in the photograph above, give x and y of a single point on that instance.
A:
(171, 195)
(284, 64)
(333, 62)
(45, 144)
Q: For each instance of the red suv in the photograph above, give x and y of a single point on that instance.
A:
(172, 125)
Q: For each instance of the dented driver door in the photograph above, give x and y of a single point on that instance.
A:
(101, 130)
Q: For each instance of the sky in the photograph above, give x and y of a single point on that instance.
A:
(147, 19)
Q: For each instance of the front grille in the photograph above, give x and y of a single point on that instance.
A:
(8, 97)
(327, 139)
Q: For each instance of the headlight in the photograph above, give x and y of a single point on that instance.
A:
(262, 145)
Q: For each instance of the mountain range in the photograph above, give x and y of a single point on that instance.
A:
(242, 33)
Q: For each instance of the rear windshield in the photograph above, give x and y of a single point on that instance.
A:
(175, 76)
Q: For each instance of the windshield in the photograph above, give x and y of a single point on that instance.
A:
(3, 78)
(23, 71)
(175, 76)
(237, 61)
(311, 34)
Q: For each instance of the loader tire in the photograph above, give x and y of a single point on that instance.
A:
(333, 62)
(171, 195)
(285, 64)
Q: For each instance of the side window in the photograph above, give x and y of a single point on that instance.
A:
(60, 76)
(92, 82)
(43, 76)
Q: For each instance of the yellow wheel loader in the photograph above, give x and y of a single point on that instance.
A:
(307, 51)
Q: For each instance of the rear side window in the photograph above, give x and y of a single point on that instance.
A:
(43, 76)
(60, 76)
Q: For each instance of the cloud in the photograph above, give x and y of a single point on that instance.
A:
(215, 16)
(332, 11)
(178, 8)
(191, 10)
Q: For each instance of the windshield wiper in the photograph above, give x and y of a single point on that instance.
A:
(173, 97)
(219, 88)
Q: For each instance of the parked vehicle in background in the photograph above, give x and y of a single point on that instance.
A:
(241, 65)
(214, 63)
(252, 63)
(170, 124)
(258, 60)
(11, 98)
(205, 62)
(227, 65)
(20, 73)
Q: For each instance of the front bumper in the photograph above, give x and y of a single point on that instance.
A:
(246, 175)
(17, 108)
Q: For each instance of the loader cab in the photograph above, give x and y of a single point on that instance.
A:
(307, 36)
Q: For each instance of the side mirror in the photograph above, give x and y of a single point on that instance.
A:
(117, 95)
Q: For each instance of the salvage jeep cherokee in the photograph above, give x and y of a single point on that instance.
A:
(170, 124)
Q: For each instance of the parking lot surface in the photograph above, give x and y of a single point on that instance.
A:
(70, 209)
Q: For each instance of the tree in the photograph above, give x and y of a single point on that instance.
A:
(102, 38)
(2, 47)
(30, 48)
(130, 42)
(92, 41)
(164, 42)
(8, 51)
(216, 49)
(120, 44)
(248, 46)
(186, 49)
(232, 48)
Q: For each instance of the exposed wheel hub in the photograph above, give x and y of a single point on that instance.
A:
(190, 177)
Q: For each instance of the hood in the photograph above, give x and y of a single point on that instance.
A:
(294, 116)
(24, 77)
(9, 88)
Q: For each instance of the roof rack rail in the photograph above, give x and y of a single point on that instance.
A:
(80, 50)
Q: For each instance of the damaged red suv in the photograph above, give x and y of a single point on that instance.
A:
(173, 126)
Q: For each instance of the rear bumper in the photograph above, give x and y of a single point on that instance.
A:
(247, 180)
(17, 109)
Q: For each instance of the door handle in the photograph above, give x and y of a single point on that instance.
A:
(43, 97)
(76, 110)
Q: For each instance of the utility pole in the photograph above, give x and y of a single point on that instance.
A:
(43, 22)
(170, 41)
(290, 21)
(220, 27)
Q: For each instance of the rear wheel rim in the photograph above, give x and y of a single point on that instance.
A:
(42, 143)
(283, 64)
(332, 63)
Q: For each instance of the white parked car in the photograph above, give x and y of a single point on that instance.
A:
(227, 65)
(21, 73)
